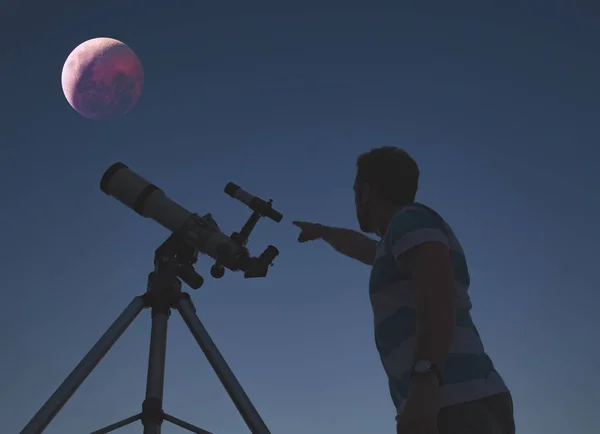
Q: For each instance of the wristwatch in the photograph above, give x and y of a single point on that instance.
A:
(425, 367)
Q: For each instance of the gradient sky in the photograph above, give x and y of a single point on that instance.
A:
(498, 104)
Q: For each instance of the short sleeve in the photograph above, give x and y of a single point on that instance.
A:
(415, 225)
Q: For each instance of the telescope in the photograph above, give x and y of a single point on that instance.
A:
(174, 262)
(202, 233)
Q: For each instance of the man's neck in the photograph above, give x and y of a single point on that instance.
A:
(383, 220)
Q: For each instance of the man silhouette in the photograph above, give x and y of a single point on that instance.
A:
(440, 378)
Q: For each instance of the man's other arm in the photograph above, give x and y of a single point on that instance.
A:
(419, 242)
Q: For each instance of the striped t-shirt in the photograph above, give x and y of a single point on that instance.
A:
(468, 372)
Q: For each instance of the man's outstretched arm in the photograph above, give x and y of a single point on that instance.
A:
(346, 241)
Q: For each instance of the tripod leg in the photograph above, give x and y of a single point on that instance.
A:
(231, 384)
(152, 414)
(120, 424)
(59, 398)
(182, 424)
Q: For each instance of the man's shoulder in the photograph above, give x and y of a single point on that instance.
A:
(417, 210)
(416, 216)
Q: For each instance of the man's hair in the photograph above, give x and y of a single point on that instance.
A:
(391, 173)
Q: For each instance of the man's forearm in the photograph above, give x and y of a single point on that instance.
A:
(350, 243)
(435, 324)
(436, 304)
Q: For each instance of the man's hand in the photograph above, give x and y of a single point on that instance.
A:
(420, 415)
(309, 231)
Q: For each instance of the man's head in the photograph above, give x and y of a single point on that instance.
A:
(386, 179)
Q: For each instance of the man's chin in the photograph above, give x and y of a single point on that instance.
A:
(364, 227)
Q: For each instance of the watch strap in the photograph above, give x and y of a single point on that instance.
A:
(433, 368)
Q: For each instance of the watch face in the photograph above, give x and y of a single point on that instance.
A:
(423, 366)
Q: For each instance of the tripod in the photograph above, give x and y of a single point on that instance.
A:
(173, 260)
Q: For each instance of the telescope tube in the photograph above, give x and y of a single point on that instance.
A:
(145, 198)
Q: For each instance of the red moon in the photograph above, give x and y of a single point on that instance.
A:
(102, 78)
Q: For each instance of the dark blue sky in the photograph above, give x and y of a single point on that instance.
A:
(498, 104)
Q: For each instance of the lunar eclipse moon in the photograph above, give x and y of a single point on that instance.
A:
(102, 78)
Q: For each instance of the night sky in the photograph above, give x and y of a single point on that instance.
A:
(497, 101)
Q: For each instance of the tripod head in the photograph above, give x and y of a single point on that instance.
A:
(192, 233)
